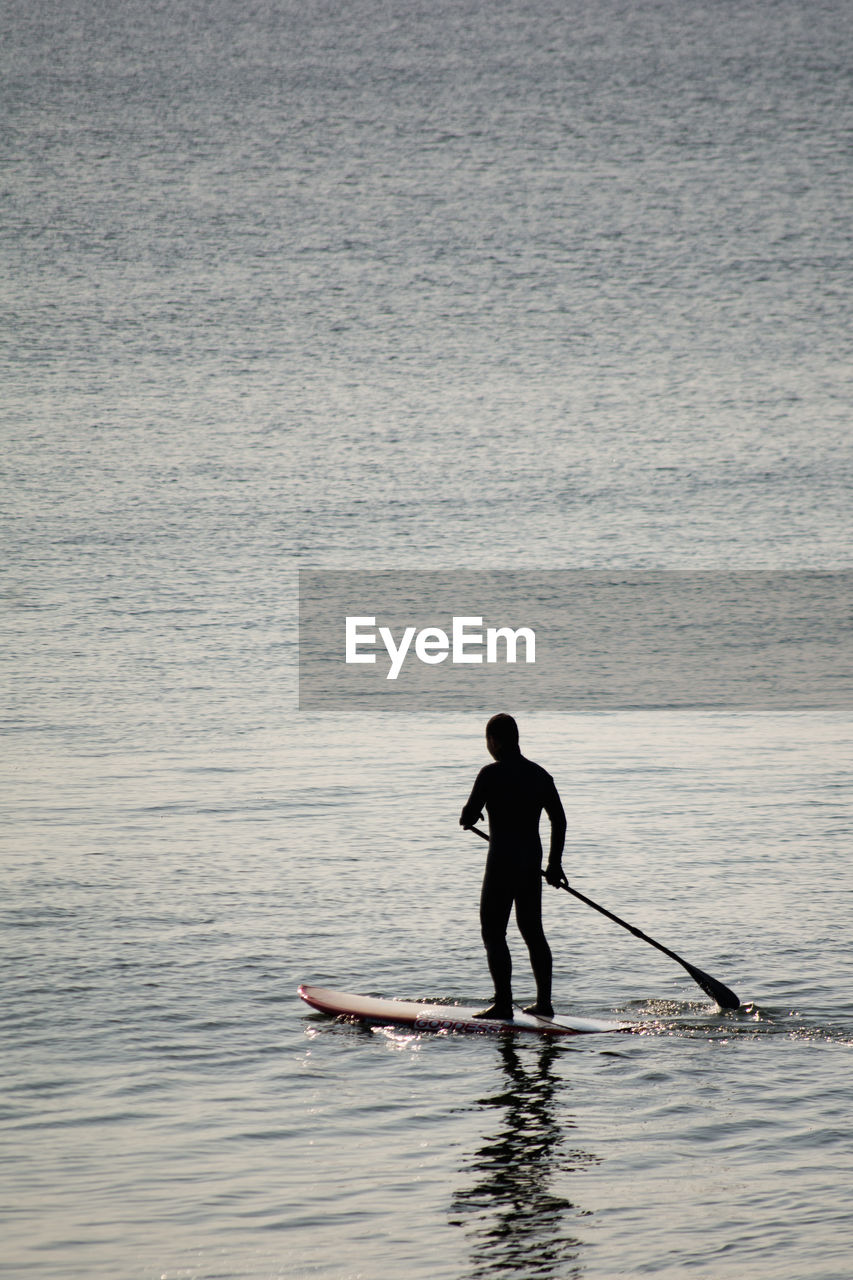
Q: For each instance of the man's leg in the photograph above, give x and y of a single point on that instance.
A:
(495, 906)
(528, 914)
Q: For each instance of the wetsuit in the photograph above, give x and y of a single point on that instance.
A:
(514, 791)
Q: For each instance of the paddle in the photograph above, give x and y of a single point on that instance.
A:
(718, 991)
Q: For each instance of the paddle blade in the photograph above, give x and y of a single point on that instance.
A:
(718, 991)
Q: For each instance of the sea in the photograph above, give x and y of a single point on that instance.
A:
(469, 286)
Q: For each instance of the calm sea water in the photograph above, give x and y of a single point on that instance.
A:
(454, 285)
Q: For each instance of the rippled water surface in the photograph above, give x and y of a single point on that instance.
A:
(173, 1109)
(520, 286)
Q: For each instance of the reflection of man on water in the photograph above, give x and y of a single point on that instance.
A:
(517, 1224)
(514, 791)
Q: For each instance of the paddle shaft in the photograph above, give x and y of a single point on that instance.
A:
(718, 991)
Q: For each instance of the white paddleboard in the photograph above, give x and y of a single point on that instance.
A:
(423, 1016)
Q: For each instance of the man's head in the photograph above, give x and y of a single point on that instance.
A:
(502, 736)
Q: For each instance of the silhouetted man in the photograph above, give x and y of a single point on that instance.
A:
(514, 791)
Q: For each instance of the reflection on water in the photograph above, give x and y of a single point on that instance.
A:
(516, 1224)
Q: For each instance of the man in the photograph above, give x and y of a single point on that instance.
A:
(514, 791)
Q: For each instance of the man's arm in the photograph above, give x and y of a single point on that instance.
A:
(554, 808)
(473, 810)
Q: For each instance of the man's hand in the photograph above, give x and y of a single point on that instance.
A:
(469, 824)
(555, 876)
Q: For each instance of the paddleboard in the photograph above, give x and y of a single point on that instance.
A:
(424, 1016)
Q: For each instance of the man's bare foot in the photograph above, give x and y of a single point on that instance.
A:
(503, 1012)
(539, 1010)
